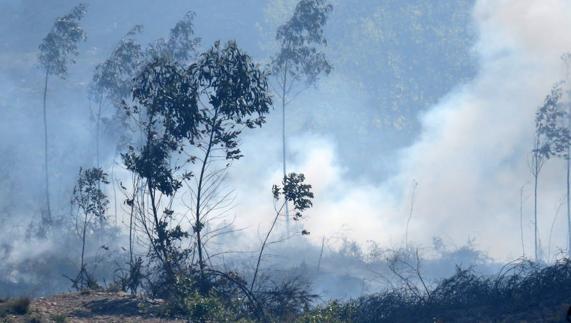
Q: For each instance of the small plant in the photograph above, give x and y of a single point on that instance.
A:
(17, 306)
(59, 318)
(295, 191)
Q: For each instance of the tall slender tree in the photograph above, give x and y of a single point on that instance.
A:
(58, 50)
(551, 140)
(113, 79)
(567, 61)
(300, 60)
(91, 203)
(233, 94)
(295, 190)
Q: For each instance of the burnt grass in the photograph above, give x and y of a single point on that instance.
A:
(521, 292)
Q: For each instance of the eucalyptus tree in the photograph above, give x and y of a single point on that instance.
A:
(551, 140)
(300, 60)
(555, 128)
(165, 110)
(182, 44)
(567, 108)
(113, 78)
(91, 203)
(190, 116)
(233, 94)
(57, 51)
(293, 190)
(113, 82)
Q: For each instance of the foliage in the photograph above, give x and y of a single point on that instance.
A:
(60, 46)
(236, 90)
(294, 190)
(91, 203)
(174, 121)
(521, 290)
(88, 196)
(237, 96)
(164, 111)
(181, 46)
(113, 78)
(130, 279)
(551, 126)
(286, 300)
(301, 39)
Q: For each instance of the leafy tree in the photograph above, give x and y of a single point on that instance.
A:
(57, 51)
(551, 140)
(113, 81)
(300, 60)
(233, 94)
(166, 112)
(91, 203)
(295, 191)
(189, 116)
(113, 78)
(567, 107)
(181, 46)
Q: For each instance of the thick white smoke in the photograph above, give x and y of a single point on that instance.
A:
(470, 159)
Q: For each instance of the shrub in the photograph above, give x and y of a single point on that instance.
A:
(18, 306)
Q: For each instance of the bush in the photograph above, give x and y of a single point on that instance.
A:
(18, 306)
(521, 291)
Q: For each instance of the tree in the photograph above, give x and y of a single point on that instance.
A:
(166, 112)
(113, 81)
(198, 114)
(113, 78)
(58, 50)
(181, 46)
(91, 203)
(233, 94)
(551, 140)
(300, 60)
(295, 191)
(567, 60)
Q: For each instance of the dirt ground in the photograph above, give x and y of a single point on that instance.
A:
(91, 307)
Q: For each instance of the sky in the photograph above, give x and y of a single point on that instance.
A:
(454, 114)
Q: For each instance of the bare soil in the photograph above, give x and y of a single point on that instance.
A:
(91, 307)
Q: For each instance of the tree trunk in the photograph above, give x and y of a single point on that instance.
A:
(568, 202)
(535, 180)
(83, 242)
(284, 94)
(161, 236)
(131, 215)
(97, 130)
(521, 220)
(46, 219)
(264, 246)
(320, 254)
(198, 224)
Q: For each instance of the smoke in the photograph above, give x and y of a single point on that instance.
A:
(470, 159)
